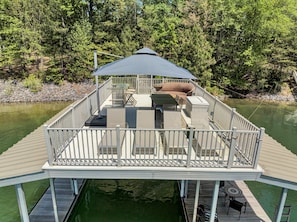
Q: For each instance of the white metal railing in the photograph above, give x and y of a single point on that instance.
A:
(236, 137)
(159, 147)
(143, 85)
(222, 115)
(80, 111)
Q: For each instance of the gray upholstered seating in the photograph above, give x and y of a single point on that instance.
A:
(109, 144)
(176, 141)
(145, 137)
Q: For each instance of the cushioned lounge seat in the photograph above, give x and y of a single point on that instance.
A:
(145, 140)
(175, 141)
(115, 117)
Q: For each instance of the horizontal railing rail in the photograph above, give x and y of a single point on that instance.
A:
(152, 147)
(68, 143)
(144, 85)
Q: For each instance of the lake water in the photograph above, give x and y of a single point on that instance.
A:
(137, 200)
(280, 122)
(16, 121)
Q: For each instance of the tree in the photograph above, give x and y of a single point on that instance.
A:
(80, 56)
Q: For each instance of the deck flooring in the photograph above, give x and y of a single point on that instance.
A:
(254, 212)
(43, 211)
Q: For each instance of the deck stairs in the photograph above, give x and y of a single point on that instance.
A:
(286, 213)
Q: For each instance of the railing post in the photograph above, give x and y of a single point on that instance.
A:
(258, 146)
(89, 106)
(72, 116)
(213, 109)
(232, 117)
(232, 147)
(118, 144)
(190, 146)
(48, 145)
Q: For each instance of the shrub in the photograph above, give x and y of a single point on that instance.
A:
(32, 83)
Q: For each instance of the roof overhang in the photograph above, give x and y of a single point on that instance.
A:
(161, 173)
(277, 182)
(23, 179)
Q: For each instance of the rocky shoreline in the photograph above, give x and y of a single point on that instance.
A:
(15, 92)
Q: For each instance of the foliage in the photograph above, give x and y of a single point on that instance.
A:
(244, 45)
(32, 83)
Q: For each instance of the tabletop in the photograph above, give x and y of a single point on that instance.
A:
(161, 99)
(233, 191)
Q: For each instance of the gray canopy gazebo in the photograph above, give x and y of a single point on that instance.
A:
(143, 62)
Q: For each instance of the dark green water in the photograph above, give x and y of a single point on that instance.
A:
(280, 122)
(136, 200)
(128, 200)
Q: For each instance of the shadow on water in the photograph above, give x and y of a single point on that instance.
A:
(128, 200)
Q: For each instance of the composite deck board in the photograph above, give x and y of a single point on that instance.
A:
(43, 211)
(254, 212)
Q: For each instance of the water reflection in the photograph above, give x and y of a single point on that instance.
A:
(128, 200)
(291, 118)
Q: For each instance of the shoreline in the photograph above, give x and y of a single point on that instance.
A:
(15, 92)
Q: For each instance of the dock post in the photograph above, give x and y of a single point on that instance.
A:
(196, 200)
(22, 203)
(186, 188)
(214, 200)
(281, 204)
(182, 188)
(53, 193)
(74, 186)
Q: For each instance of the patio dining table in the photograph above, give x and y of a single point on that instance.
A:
(163, 100)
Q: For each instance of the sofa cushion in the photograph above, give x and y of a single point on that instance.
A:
(178, 87)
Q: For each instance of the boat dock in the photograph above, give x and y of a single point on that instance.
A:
(66, 199)
(254, 212)
(66, 148)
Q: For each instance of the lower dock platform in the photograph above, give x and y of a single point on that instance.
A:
(254, 212)
(43, 211)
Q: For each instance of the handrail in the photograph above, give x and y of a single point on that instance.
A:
(245, 146)
(159, 147)
(221, 114)
(80, 111)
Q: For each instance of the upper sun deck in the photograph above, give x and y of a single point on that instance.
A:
(163, 136)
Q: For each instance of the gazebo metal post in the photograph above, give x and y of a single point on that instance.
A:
(96, 76)
(97, 82)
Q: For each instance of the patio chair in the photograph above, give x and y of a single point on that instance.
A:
(145, 140)
(115, 117)
(175, 141)
(236, 205)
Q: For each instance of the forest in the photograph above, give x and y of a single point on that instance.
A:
(243, 45)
